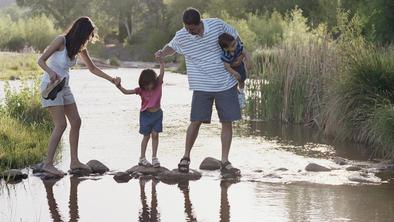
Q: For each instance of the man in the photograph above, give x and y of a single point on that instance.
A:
(209, 80)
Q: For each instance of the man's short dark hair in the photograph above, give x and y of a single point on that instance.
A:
(191, 16)
(225, 40)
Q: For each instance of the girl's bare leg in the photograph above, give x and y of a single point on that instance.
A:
(155, 144)
(73, 117)
(144, 144)
(59, 120)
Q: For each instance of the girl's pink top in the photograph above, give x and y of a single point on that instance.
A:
(150, 98)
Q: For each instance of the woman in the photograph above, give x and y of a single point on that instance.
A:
(56, 61)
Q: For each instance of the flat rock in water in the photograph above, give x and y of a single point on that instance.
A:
(353, 168)
(176, 176)
(147, 170)
(281, 169)
(340, 161)
(210, 163)
(80, 172)
(13, 174)
(97, 167)
(360, 179)
(313, 167)
(122, 177)
(37, 168)
(48, 176)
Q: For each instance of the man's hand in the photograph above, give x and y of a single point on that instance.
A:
(159, 55)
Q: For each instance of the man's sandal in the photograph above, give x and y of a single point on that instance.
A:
(227, 169)
(183, 165)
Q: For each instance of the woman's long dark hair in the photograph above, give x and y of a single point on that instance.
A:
(78, 34)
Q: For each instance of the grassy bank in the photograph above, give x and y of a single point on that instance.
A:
(18, 66)
(343, 85)
(25, 128)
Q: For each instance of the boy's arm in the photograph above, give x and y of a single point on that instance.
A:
(161, 75)
(232, 71)
(126, 91)
(248, 59)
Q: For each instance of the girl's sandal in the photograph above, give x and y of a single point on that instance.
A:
(155, 162)
(144, 162)
(183, 165)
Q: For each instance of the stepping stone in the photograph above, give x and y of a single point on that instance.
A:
(313, 167)
(340, 161)
(147, 170)
(13, 175)
(282, 169)
(122, 177)
(97, 167)
(37, 168)
(353, 168)
(175, 176)
(80, 172)
(210, 163)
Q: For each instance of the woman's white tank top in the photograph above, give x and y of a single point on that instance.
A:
(60, 63)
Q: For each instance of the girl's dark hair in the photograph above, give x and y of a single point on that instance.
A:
(148, 76)
(225, 40)
(191, 16)
(78, 34)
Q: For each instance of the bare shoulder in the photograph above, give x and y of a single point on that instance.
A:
(58, 42)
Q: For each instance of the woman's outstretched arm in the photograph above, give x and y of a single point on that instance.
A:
(94, 69)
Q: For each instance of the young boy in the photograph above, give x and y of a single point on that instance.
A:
(233, 57)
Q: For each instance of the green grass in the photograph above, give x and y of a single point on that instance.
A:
(25, 128)
(18, 66)
(21, 144)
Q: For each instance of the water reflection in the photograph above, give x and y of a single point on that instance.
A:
(189, 211)
(304, 141)
(73, 199)
(148, 214)
(224, 203)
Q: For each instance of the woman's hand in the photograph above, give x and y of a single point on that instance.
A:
(53, 76)
(116, 81)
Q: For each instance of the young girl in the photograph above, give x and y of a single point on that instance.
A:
(56, 61)
(151, 115)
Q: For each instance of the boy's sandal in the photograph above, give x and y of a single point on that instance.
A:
(227, 168)
(144, 162)
(183, 165)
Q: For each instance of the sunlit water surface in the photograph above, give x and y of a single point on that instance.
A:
(110, 134)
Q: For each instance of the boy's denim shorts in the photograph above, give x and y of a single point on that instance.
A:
(241, 70)
(226, 102)
(151, 122)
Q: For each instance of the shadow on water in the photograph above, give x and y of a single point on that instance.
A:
(303, 140)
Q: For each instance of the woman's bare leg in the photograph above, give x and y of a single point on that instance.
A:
(59, 120)
(73, 117)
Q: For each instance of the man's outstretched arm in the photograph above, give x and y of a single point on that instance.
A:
(166, 51)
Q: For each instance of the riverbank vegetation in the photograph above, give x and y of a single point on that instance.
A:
(25, 127)
(18, 66)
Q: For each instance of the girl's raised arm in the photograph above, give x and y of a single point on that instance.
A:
(161, 75)
(55, 45)
(93, 68)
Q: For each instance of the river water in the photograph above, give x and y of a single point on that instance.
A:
(110, 134)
